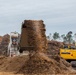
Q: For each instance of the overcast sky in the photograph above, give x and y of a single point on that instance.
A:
(58, 15)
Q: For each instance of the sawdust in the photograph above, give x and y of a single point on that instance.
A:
(54, 47)
(33, 35)
(8, 73)
(38, 64)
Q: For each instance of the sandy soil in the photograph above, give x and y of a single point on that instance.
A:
(8, 73)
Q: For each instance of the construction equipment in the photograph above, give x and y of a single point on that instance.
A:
(32, 36)
(31, 40)
(68, 52)
(13, 44)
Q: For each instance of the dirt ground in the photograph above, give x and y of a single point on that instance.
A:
(43, 59)
(8, 73)
(40, 64)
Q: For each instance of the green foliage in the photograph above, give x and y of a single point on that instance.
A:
(63, 36)
(49, 36)
(69, 36)
(56, 36)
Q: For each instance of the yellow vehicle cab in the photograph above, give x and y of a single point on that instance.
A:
(68, 53)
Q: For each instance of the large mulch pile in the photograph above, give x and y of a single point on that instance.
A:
(54, 47)
(4, 44)
(37, 64)
(33, 35)
(39, 61)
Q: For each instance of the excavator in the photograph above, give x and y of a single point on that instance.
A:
(68, 52)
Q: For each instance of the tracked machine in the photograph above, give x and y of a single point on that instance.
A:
(68, 52)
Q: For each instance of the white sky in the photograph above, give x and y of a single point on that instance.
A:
(58, 15)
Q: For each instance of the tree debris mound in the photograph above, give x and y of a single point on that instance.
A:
(4, 44)
(38, 64)
(54, 47)
(33, 35)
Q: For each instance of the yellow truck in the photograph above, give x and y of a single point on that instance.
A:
(68, 53)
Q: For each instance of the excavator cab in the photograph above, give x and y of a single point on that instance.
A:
(68, 52)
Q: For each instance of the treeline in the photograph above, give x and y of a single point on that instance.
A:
(66, 38)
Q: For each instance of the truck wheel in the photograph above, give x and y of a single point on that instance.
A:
(21, 51)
